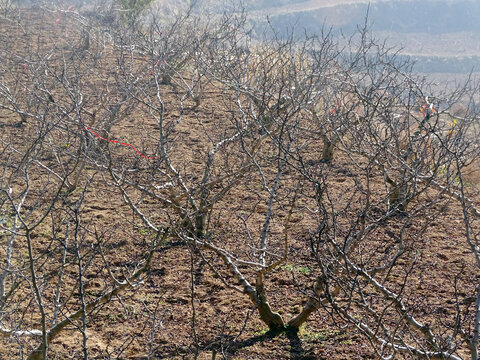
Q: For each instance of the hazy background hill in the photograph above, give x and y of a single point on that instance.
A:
(443, 36)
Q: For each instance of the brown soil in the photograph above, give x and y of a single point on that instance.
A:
(161, 317)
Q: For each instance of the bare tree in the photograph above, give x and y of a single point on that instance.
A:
(176, 119)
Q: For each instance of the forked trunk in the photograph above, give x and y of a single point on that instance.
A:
(273, 320)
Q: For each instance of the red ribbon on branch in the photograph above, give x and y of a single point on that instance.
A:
(121, 143)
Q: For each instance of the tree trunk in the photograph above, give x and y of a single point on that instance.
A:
(200, 224)
(327, 154)
(273, 320)
(397, 197)
(310, 306)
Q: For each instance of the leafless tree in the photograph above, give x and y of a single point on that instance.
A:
(284, 118)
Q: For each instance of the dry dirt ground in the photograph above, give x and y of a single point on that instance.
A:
(161, 318)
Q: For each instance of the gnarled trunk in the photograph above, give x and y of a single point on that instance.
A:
(273, 320)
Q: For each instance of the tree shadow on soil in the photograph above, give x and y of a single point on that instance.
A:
(238, 345)
(297, 352)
